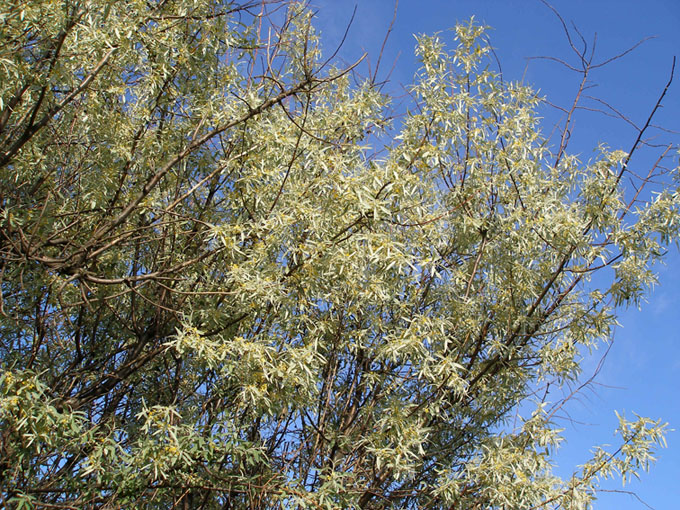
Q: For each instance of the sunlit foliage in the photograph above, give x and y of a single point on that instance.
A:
(229, 282)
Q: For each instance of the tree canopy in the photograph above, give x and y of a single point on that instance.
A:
(231, 280)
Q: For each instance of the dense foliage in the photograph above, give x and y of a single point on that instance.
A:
(217, 294)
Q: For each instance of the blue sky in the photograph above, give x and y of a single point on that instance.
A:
(642, 371)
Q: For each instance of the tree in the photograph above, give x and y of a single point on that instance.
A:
(216, 294)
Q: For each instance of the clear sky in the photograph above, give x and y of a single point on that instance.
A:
(642, 371)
